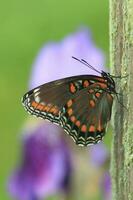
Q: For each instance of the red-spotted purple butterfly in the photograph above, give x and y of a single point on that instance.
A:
(81, 105)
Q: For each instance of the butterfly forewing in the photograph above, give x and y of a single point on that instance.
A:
(80, 104)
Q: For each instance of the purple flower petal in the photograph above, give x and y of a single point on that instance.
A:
(98, 154)
(106, 187)
(45, 165)
(54, 61)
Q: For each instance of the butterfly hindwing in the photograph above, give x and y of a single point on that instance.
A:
(85, 116)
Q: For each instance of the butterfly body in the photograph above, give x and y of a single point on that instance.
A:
(81, 105)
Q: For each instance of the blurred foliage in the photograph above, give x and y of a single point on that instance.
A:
(24, 27)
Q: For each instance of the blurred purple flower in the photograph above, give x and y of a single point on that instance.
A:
(98, 154)
(106, 187)
(45, 167)
(54, 61)
(99, 157)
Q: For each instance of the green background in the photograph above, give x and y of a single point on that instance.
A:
(24, 27)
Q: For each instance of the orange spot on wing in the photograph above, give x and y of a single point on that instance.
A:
(102, 85)
(40, 106)
(51, 109)
(56, 111)
(70, 111)
(92, 128)
(92, 103)
(73, 118)
(72, 88)
(69, 103)
(46, 108)
(99, 128)
(78, 123)
(86, 83)
(84, 128)
(34, 104)
(98, 94)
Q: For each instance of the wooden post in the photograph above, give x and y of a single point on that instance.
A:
(121, 63)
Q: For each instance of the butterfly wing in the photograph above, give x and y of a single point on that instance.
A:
(79, 104)
(85, 116)
(47, 100)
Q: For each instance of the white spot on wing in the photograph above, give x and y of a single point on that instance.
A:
(43, 103)
(37, 99)
(36, 90)
(36, 94)
(31, 108)
(28, 99)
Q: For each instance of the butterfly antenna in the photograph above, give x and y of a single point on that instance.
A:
(86, 63)
(119, 76)
(90, 66)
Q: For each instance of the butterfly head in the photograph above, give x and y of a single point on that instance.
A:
(110, 81)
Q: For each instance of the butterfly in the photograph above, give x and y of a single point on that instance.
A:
(81, 104)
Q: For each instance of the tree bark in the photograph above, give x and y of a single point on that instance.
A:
(121, 57)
